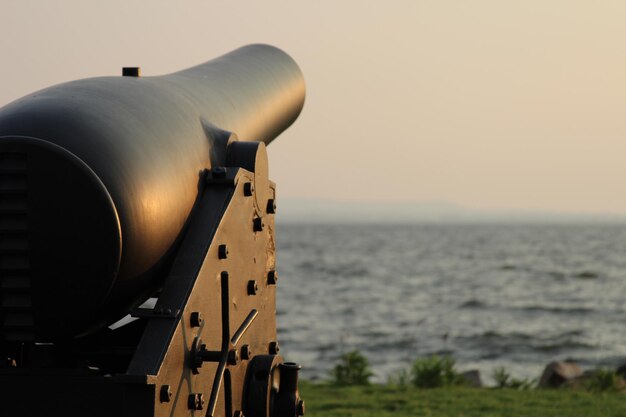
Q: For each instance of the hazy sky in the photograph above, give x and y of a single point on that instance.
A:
(489, 104)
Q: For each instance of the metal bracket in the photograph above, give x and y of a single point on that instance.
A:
(221, 176)
(155, 313)
(228, 355)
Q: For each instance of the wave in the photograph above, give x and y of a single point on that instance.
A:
(493, 344)
(557, 310)
(587, 275)
(473, 303)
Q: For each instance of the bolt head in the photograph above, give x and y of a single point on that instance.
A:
(300, 408)
(248, 189)
(218, 172)
(233, 357)
(272, 277)
(222, 252)
(253, 287)
(274, 348)
(165, 395)
(271, 206)
(257, 224)
(195, 401)
(192, 402)
(195, 319)
(246, 352)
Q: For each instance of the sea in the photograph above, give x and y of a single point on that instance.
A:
(512, 296)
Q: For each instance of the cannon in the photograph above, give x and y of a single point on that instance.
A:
(137, 248)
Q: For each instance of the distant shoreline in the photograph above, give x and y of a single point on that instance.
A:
(294, 211)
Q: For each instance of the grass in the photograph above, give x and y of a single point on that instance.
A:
(329, 400)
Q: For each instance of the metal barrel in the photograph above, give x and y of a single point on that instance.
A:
(99, 176)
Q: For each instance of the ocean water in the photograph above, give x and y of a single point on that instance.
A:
(513, 296)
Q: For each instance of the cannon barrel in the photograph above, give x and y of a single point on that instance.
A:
(98, 178)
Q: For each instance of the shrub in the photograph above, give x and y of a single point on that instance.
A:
(501, 376)
(602, 380)
(503, 380)
(434, 372)
(400, 379)
(353, 369)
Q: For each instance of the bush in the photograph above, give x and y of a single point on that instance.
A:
(353, 369)
(503, 380)
(399, 379)
(435, 372)
(501, 377)
(603, 380)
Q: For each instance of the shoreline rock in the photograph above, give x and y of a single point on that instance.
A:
(558, 373)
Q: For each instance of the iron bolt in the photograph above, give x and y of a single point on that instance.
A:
(257, 224)
(219, 172)
(195, 402)
(233, 357)
(246, 352)
(248, 189)
(197, 359)
(252, 287)
(300, 409)
(271, 206)
(274, 348)
(222, 252)
(165, 394)
(272, 277)
(195, 319)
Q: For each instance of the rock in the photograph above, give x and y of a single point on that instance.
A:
(472, 378)
(557, 373)
(582, 381)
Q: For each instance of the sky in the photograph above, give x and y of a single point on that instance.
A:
(487, 104)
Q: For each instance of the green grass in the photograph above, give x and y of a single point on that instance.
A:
(329, 400)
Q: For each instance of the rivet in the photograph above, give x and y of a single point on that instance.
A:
(271, 206)
(246, 352)
(165, 394)
(248, 189)
(195, 319)
(131, 72)
(272, 277)
(252, 287)
(274, 348)
(257, 224)
(222, 252)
